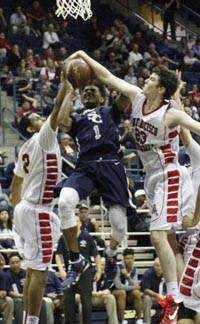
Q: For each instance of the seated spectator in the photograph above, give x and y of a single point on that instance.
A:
(21, 69)
(102, 296)
(50, 71)
(127, 279)
(196, 48)
(127, 135)
(33, 62)
(189, 103)
(18, 22)
(190, 61)
(140, 200)
(152, 284)
(28, 105)
(44, 100)
(150, 56)
(4, 45)
(194, 94)
(27, 84)
(62, 54)
(16, 278)
(135, 57)
(3, 22)
(68, 152)
(51, 38)
(49, 53)
(6, 227)
(50, 18)
(130, 75)
(13, 57)
(6, 302)
(36, 12)
(90, 225)
(53, 298)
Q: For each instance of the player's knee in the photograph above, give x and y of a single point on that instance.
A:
(68, 200)
(156, 238)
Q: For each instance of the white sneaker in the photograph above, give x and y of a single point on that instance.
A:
(139, 321)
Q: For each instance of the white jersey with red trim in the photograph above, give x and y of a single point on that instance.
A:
(157, 145)
(39, 164)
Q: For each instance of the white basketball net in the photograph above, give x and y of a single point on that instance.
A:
(74, 8)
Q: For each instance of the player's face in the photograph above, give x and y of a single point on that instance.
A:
(151, 85)
(36, 121)
(90, 97)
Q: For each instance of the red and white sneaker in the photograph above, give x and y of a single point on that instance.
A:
(170, 311)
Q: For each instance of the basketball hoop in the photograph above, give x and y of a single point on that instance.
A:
(74, 8)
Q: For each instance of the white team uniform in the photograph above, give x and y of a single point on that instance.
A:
(36, 227)
(168, 185)
(190, 282)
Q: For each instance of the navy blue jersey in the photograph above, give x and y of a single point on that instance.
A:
(16, 280)
(151, 281)
(53, 284)
(87, 247)
(95, 131)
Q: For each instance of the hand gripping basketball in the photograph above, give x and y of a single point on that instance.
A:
(78, 73)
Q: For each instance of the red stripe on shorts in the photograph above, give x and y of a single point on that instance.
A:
(185, 291)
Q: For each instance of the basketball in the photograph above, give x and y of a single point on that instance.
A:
(78, 72)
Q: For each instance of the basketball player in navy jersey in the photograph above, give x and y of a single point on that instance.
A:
(98, 167)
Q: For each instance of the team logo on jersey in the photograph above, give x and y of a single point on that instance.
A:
(83, 243)
(94, 117)
(154, 209)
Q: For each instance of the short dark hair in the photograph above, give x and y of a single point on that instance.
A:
(167, 79)
(24, 123)
(128, 251)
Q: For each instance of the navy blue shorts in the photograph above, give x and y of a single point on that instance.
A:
(107, 177)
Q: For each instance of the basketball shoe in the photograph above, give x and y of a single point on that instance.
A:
(74, 272)
(170, 310)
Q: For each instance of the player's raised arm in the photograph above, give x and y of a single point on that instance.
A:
(174, 117)
(106, 77)
(185, 134)
(58, 114)
(63, 118)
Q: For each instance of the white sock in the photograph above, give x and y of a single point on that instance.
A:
(172, 288)
(110, 252)
(24, 317)
(32, 320)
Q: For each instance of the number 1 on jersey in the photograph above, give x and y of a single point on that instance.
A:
(97, 132)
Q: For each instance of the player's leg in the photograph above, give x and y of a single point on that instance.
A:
(77, 187)
(167, 259)
(178, 255)
(35, 294)
(113, 186)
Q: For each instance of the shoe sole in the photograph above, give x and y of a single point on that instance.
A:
(78, 277)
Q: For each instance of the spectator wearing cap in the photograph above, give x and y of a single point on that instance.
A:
(141, 203)
(90, 225)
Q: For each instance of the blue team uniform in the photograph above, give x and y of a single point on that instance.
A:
(99, 165)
